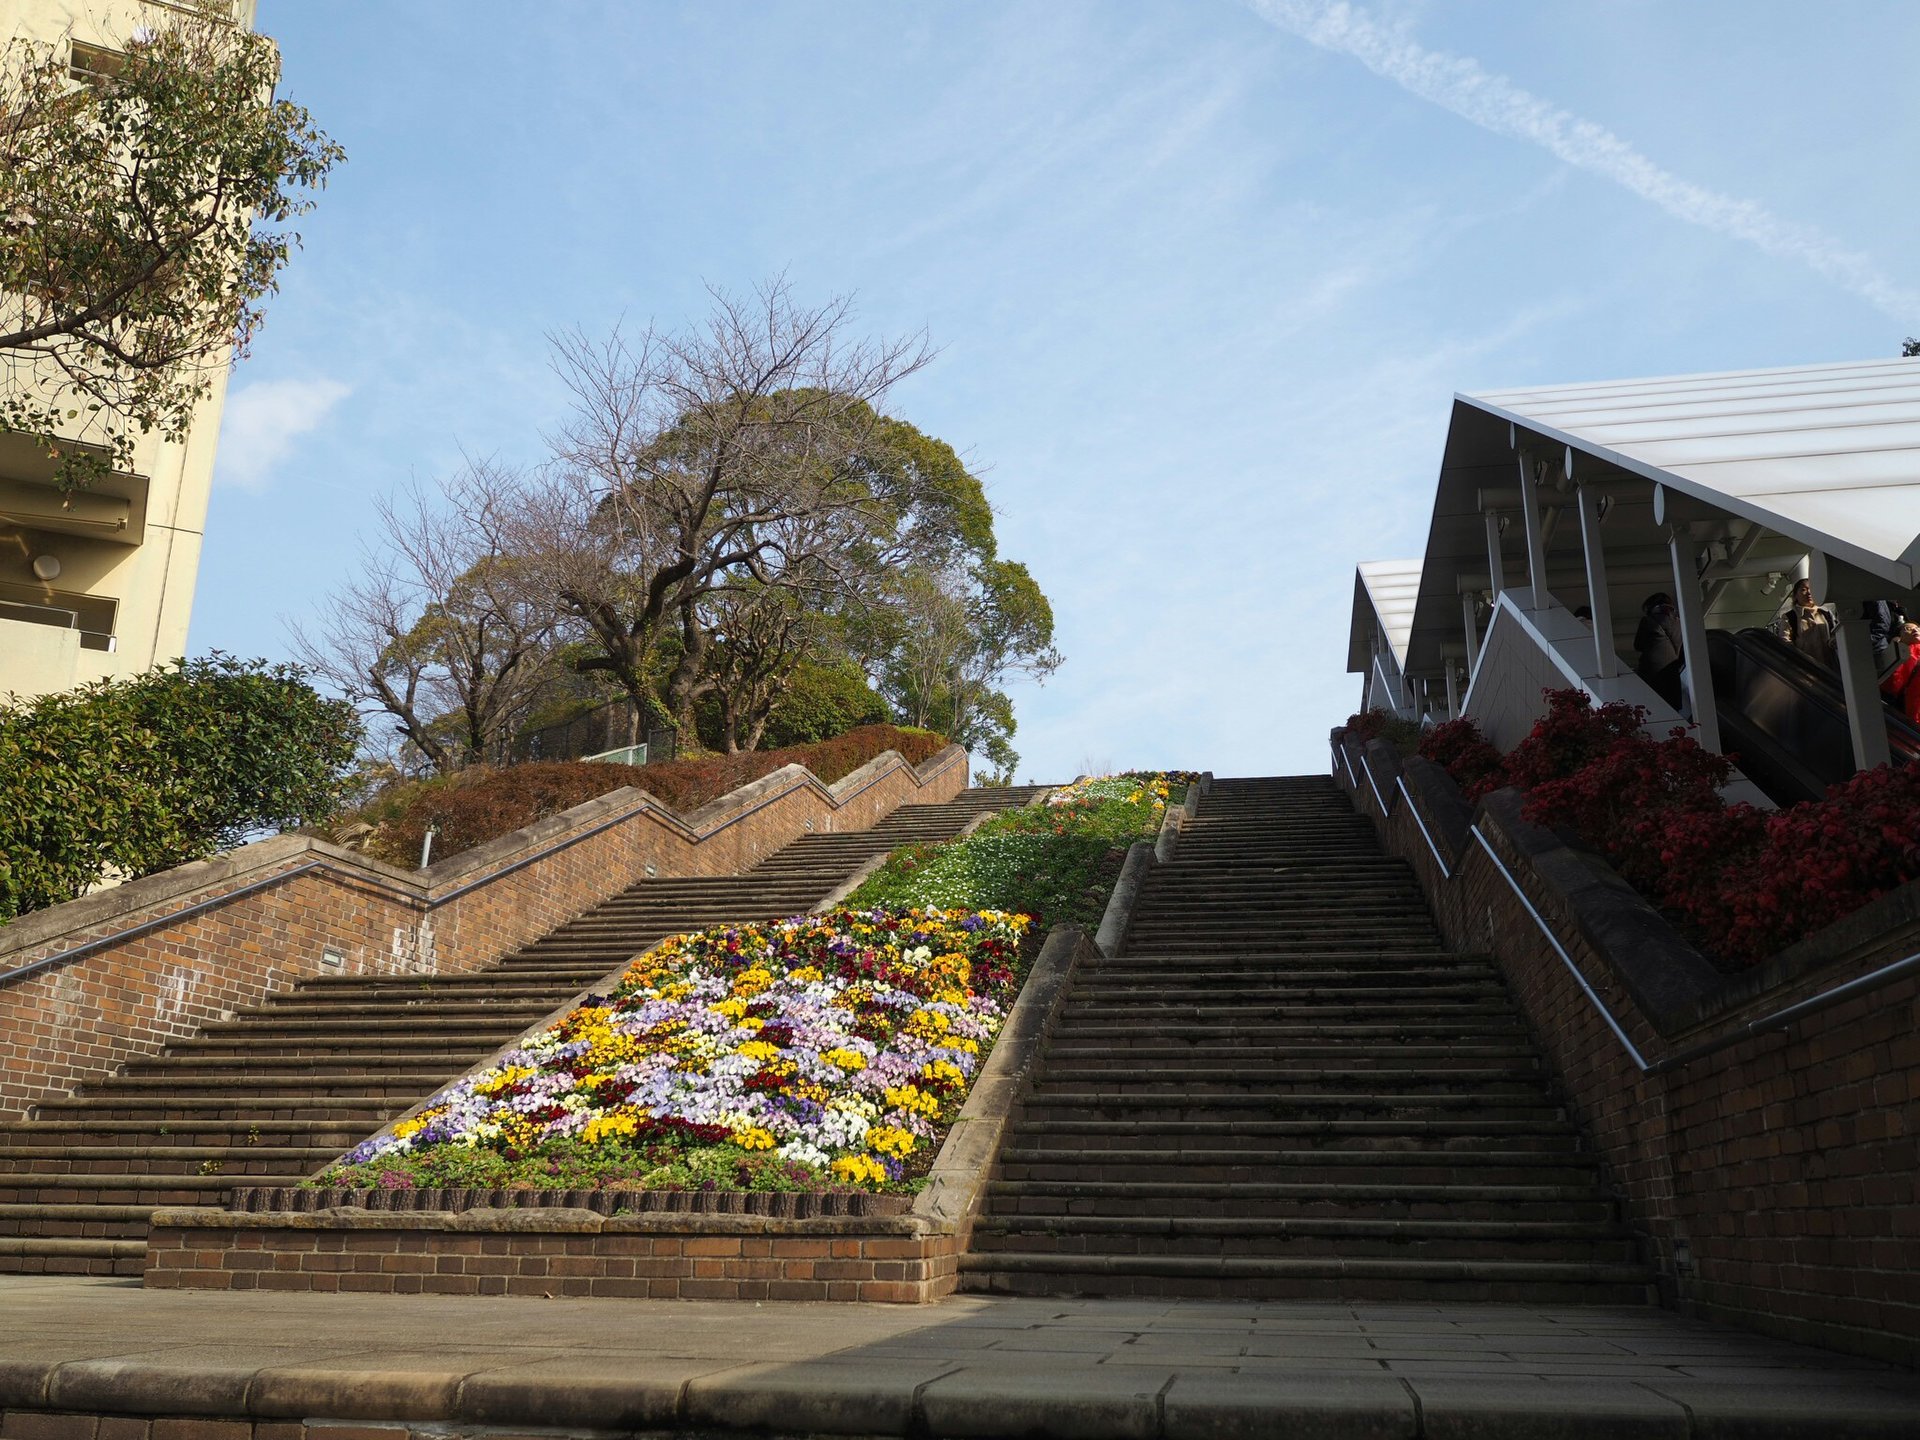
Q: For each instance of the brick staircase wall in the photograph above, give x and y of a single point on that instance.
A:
(94, 984)
(1777, 1180)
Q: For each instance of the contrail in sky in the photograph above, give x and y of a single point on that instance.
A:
(1462, 85)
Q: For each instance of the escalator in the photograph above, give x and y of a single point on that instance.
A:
(1784, 716)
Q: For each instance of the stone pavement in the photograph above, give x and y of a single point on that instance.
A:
(970, 1365)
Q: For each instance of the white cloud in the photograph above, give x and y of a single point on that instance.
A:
(261, 422)
(1462, 85)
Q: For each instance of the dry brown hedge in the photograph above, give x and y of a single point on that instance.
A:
(484, 804)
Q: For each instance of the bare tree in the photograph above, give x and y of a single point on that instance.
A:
(446, 630)
(697, 462)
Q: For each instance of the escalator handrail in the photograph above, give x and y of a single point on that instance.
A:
(1814, 681)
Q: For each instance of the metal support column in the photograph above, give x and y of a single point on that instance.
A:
(1693, 638)
(1606, 661)
(1453, 692)
(1495, 569)
(1470, 618)
(1536, 537)
(1866, 717)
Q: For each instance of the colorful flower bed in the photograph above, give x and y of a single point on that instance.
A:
(828, 1050)
(818, 1053)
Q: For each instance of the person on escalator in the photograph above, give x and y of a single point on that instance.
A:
(1661, 652)
(1808, 627)
(1902, 684)
(1885, 619)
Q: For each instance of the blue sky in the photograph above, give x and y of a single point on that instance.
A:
(1205, 275)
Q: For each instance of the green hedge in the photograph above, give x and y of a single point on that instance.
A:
(131, 777)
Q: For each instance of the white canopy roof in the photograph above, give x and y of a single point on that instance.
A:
(1389, 588)
(1829, 454)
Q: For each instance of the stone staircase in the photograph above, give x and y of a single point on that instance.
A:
(1286, 1088)
(273, 1094)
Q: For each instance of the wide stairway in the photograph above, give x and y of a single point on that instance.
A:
(281, 1089)
(1285, 1087)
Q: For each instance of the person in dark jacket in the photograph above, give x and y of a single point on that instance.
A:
(1661, 652)
(1885, 620)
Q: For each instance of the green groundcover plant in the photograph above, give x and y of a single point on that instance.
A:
(1056, 862)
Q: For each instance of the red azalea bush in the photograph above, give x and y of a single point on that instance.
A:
(1740, 883)
(1823, 860)
(1457, 747)
(484, 804)
(1363, 725)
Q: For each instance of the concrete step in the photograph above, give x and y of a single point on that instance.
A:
(1326, 1278)
(1307, 1236)
(1462, 1201)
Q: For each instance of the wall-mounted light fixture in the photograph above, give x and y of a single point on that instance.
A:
(46, 567)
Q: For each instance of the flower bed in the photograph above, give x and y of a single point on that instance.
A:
(1056, 862)
(818, 1052)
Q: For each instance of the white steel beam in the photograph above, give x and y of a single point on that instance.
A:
(1496, 569)
(1693, 638)
(1606, 659)
(1536, 536)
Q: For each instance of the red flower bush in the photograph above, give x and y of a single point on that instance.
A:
(1457, 747)
(1740, 883)
(1823, 860)
(1363, 725)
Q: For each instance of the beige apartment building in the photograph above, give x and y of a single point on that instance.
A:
(99, 584)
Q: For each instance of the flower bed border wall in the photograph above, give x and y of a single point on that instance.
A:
(577, 1251)
(88, 986)
(1776, 1181)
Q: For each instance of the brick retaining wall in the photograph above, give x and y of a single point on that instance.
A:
(900, 1259)
(1786, 1167)
(282, 905)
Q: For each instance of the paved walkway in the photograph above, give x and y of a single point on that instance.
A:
(967, 1366)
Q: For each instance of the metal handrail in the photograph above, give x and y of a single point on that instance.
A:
(1385, 809)
(1341, 751)
(1425, 834)
(1783, 1019)
(1561, 951)
(423, 904)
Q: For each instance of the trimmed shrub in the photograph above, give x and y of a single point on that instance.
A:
(1457, 747)
(1739, 883)
(484, 804)
(1365, 725)
(136, 776)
